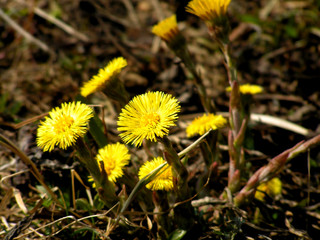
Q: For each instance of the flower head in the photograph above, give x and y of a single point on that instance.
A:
(166, 29)
(272, 188)
(148, 116)
(114, 158)
(163, 181)
(64, 126)
(201, 125)
(208, 10)
(248, 89)
(104, 76)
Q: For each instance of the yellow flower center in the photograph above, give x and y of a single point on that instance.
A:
(150, 120)
(110, 167)
(63, 124)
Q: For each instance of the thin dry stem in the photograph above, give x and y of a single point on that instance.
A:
(24, 33)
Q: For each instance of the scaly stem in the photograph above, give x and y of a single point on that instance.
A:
(162, 213)
(183, 213)
(104, 186)
(237, 122)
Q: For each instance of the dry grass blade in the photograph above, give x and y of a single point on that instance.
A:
(75, 174)
(25, 34)
(19, 200)
(278, 122)
(6, 199)
(65, 27)
(26, 122)
(21, 226)
(33, 168)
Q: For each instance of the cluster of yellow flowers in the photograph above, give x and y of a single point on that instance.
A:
(146, 117)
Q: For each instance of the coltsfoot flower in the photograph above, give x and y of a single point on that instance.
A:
(166, 29)
(164, 181)
(64, 126)
(114, 157)
(249, 89)
(201, 125)
(148, 116)
(208, 10)
(272, 188)
(213, 13)
(104, 76)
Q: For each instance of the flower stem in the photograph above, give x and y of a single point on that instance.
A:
(183, 212)
(105, 187)
(238, 123)
(162, 210)
(184, 55)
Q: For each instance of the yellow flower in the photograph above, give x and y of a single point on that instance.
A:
(114, 158)
(104, 76)
(248, 89)
(148, 116)
(201, 125)
(164, 181)
(208, 10)
(64, 126)
(272, 188)
(167, 29)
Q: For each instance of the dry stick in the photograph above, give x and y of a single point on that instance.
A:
(278, 122)
(282, 50)
(49, 224)
(266, 10)
(275, 121)
(65, 27)
(25, 34)
(132, 13)
(158, 10)
(122, 49)
(33, 168)
(26, 122)
(103, 11)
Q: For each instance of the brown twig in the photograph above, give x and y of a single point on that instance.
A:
(65, 27)
(24, 33)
